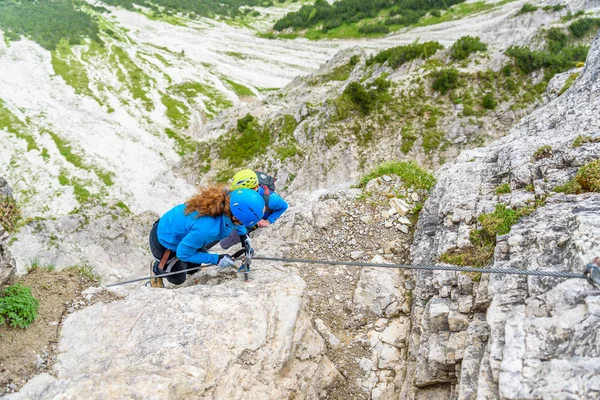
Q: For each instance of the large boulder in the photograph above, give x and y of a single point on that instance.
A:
(232, 340)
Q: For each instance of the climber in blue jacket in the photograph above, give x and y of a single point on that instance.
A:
(275, 205)
(179, 237)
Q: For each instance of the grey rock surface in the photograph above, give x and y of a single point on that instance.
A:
(235, 340)
(526, 337)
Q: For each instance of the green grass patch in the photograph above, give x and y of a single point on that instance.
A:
(503, 189)
(586, 180)
(411, 174)
(65, 149)
(247, 141)
(177, 111)
(10, 123)
(568, 83)
(213, 100)
(239, 89)
(582, 139)
(85, 270)
(542, 152)
(10, 213)
(18, 307)
(340, 73)
(66, 65)
(184, 146)
(132, 77)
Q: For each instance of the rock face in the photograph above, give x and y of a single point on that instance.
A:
(511, 336)
(238, 340)
(114, 244)
(7, 263)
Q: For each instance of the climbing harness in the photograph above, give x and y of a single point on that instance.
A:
(591, 273)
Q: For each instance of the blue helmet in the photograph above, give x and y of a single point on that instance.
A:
(247, 205)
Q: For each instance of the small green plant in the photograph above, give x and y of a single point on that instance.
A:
(36, 264)
(411, 174)
(86, 270)
(18, 306)
(530, 187)
(10, 213)
(582, 139)
(527, 8)
(503, 189)
(568, 82)
(465, 46)
(444, 80)
(488, 102)
(542, 152)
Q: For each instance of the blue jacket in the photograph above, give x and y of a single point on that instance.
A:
(186, 234)
(276, 205)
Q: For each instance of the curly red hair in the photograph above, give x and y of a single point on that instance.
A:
(212, 200)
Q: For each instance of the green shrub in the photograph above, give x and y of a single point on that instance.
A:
(10, 213)
(465, 46)
(373, 28)
(354, 60)
(527, 8)
(363, 98)
(249, 140)
(488, 102)
(396, 56)
(528, 60)
(556, 39)
(445, 79)
(18, 306)
(582, 26)
(411, 174)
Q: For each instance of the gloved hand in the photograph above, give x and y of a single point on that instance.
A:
(247, 244)
(225, 261)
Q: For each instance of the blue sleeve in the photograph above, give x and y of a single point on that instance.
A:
(278, 207)
(241, 230)
(187, 250)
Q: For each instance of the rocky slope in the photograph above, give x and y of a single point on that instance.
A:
(518, 337)
(302, 331)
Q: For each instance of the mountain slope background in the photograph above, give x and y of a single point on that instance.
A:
(102, 133)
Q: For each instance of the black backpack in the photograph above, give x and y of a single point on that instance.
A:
(268, 184)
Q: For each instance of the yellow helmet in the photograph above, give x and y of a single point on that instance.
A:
(246, 178)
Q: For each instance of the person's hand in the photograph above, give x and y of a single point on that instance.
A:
(263, 223)
(225, 261)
